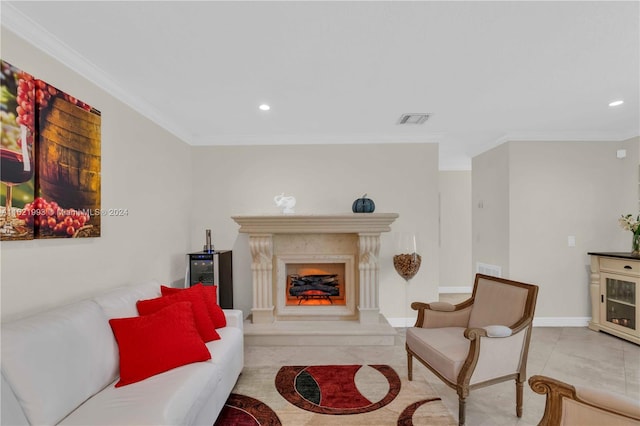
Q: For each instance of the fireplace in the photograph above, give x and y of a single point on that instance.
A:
(315, 286)
(282, 245)
(313, 289)
(311, 284)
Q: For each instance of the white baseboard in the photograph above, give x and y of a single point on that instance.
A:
(561, 321)
(455, 290)
(537, 322)
(401, 322)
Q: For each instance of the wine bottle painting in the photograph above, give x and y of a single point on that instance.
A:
(49, 161)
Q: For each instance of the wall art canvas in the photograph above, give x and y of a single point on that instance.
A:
(65, 140)
(17, 162)
(68, 168)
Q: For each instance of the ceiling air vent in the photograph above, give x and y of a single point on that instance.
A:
(418, 118)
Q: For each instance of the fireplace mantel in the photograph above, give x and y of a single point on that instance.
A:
(275, 237)
(353, 223)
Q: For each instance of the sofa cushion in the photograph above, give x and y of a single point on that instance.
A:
(170, 398)
(154, 343)
(229, 349)
(121, 302)
(195, 295)
(211, 299)
(55, 360)
(11, 412)
(219, 320)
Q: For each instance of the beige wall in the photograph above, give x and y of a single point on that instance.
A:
(455, 229)
(562, 189)
(556, 190)
(400, 178)
(490, 208)
(144, 170)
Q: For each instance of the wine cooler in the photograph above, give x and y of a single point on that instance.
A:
(212, 268)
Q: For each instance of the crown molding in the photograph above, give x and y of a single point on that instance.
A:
(24, 27)
(317, 139)
(568, 136)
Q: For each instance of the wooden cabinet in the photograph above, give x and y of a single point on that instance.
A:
(615, 294)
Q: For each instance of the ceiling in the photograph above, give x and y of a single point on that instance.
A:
(344, 72)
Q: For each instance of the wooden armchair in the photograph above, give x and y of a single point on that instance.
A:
(568, 405)
(479, 342)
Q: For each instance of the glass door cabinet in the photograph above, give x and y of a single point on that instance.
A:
(620, 301)
(615, 294)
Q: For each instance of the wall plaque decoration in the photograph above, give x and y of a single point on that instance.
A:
(50, 161)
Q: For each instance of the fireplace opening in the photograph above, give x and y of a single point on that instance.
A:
(315, 284)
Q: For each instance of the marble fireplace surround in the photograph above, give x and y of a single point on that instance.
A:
(350, 238)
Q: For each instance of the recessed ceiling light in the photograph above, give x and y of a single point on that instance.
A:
(616, 103)
(264, 107)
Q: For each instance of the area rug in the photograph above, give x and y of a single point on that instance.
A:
(368, 395)
(241, 410)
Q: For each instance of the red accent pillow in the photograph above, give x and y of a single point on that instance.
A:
(210, 298)
(158, 342)
(195, 295)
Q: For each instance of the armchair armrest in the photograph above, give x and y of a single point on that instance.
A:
(566, 404)
(488, 331)
(492, 355)
(442, 314)
(442, 306)
(498, 331)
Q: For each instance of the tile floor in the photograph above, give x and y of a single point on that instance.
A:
(576, 355)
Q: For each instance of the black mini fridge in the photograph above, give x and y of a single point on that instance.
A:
(213, 268)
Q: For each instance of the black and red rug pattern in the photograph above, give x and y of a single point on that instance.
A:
(241, 410)
(406, 417)
(332, 389)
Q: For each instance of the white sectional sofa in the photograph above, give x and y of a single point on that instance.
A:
(61, 367)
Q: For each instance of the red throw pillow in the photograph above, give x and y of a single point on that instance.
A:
(155, 343)
(195, 295)
(211, 297)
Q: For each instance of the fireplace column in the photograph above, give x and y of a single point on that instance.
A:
(369, 249)
(261, 246)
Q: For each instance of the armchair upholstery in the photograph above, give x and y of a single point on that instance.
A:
(479, 342)
(568, 405)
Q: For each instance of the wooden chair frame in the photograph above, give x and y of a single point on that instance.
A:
(557, 391)
(476, 336)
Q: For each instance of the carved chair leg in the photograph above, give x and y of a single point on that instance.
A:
(410, 365)
(461, 411)
(519, 386)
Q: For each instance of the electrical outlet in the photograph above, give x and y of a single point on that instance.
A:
(571, 241)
